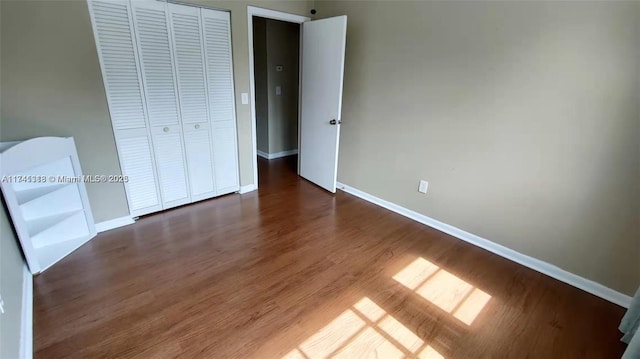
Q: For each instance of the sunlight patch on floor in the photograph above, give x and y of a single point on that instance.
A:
(472, 306)
(445, 290)
(330, 338)
(364, 331)
(429, 353)
(294, 354)
(416, 273)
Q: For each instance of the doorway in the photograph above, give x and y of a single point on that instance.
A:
(276, 53)
(263, 15)
(322, 45)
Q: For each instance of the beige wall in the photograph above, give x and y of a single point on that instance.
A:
(11, 279)
(51, 85)
(261, 83)
(283, 43)
(523, 117)
(11, 269)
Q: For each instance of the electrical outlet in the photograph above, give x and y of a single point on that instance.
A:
(424, 185)
(245, 98)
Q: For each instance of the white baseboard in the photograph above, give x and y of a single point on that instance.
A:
(247, 188)
(271, 156)
(114, 223)
(527, 261)
(263, 154)
(26, 325)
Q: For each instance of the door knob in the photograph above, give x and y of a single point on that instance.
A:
(333, 122)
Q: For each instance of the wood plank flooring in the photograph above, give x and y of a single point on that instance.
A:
(293, 271)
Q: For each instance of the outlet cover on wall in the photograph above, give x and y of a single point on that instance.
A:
(424, 185)
(278, 90)
(245, 98)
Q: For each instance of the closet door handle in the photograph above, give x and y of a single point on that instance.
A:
(197, 126)
(166, 129)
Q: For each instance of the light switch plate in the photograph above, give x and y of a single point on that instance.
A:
(424, 185)
(278, 90)
(245, 98)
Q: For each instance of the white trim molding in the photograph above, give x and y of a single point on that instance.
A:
(248, 188)
(114, 223)
(271, 156)
(263, 154)
(26, 325)
(275, 15)
(551, 270)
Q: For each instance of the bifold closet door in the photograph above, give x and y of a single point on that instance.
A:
(113, 33)
(157, 68)
(219, 71)
(186, 34)
(167, 70)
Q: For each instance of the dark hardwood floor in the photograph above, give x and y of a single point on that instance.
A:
(294, 271)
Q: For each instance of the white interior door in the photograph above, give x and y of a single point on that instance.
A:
(113, 31)
(323, 48)
(216, 30)
(159, 83)
(188, 44)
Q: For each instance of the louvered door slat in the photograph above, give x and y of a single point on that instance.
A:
(187, 42)
(226, 166)
(167, 143)
(218, 56)
(125, 96)
(200, 160)
(119, 65)
(219, 73)
(156, 59)
(137, 165)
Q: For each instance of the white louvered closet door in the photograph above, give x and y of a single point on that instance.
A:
(113, 33)
(219, 71)
(157, 67)
(186, 33)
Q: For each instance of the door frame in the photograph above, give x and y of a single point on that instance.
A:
(274, 15)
